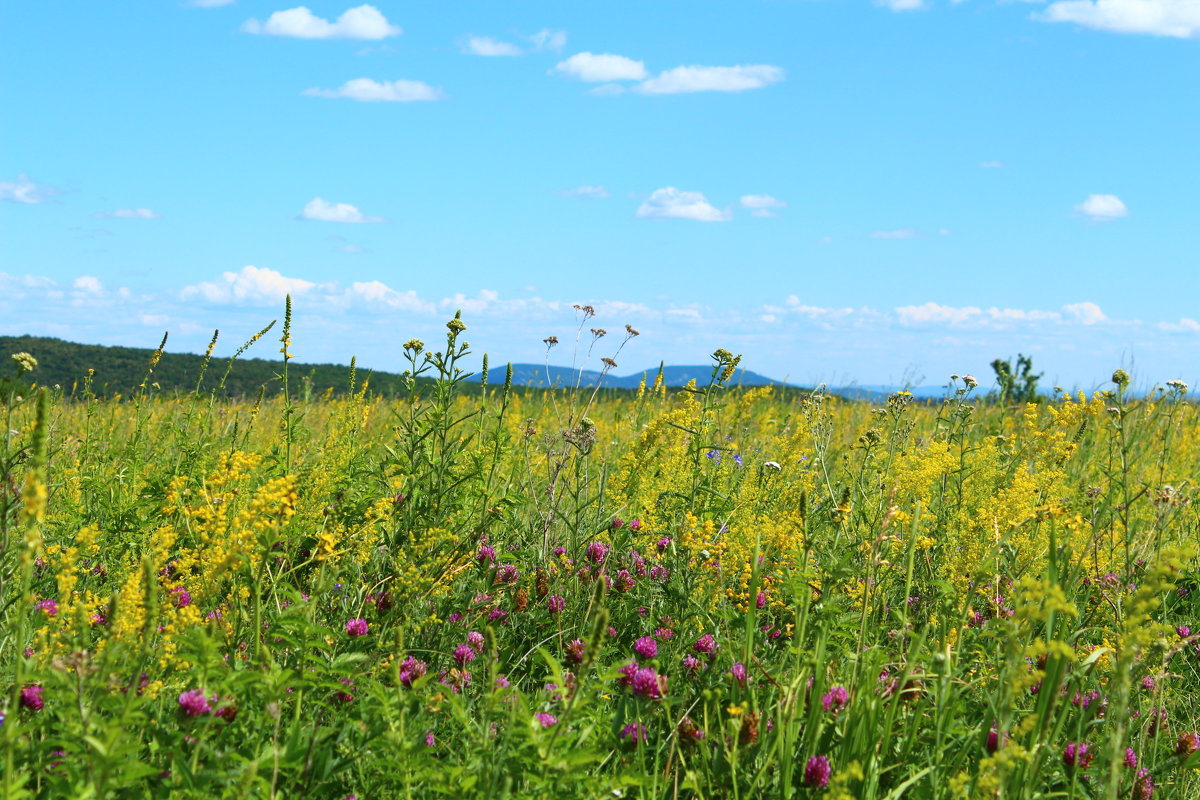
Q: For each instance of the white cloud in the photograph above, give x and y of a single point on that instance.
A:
(210, 3)
(670, 203)
(380, 296)
(88, 284)
(899, 233)
(1085, 313)
(598, 192)
(361, 22)
(1185, 325)
(250, 285)
(1102, 208)
(320, 210)
(933, 313)
(127, 213)
(711, 79)
(487, 46)
(1175, 18)
(607, 90)
(992, 164)
(368, 91)
(902, 5)
(546, 39)
(600, 68)
(25, 191)
(761, 204)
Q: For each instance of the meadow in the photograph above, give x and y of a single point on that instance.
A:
(708, 592)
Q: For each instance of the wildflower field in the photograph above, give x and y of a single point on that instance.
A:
(703, 593)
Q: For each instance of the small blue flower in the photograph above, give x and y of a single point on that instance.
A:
(715, 455)
(738, 458)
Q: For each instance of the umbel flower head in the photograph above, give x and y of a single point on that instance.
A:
(24, 362)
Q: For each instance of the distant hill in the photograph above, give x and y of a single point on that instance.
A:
(119, 370)
(541, 375)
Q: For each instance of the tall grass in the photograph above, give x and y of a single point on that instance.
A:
(708, 592)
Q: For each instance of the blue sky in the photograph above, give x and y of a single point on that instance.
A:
(841, 190)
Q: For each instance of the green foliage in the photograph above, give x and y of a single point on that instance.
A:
(1019, 386)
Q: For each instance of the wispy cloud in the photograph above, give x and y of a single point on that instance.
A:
(361, 22)
(762, 205)
(320, 210)
(1102, 208)
(901, 5)
(597, 192)
(1174, 18)
(671, 203)
(682, 80)
(210, 3)
(992, 164)
(547, 39)
(898, 233)
(487, 46)
(366, 90)
(600, 68)
(26, 191)
(128, 213)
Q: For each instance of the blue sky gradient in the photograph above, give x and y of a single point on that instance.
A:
(844, 191)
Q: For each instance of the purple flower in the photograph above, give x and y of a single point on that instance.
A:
(761, 600)
(502, 682)
(1184, 631)
(597, 551)
(343, 696)
(497, 614)
(475, 639)
(1078, 755)
(429, 740)
(411, 669)
(1147, 682)
(183, 598)
(357, 626)
(691, 663)
(486, 553)
(993, 740)
(547, 720)
(646, 647)
(648, 683)
(738, 671)
(50, 607)
(1131, 759)
(835, 699)
(556, 603)
(635, 525)
(464, 654)
(1143, 786)
(627, 672)
(816, 772)
(634, 733)
(575, 650)
(705, 644)
(507, 574)
(625, 581)
(31, 698)
(560, 551)
(193, 703)
(1188, 744)
(662, 544)
(617, 524)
